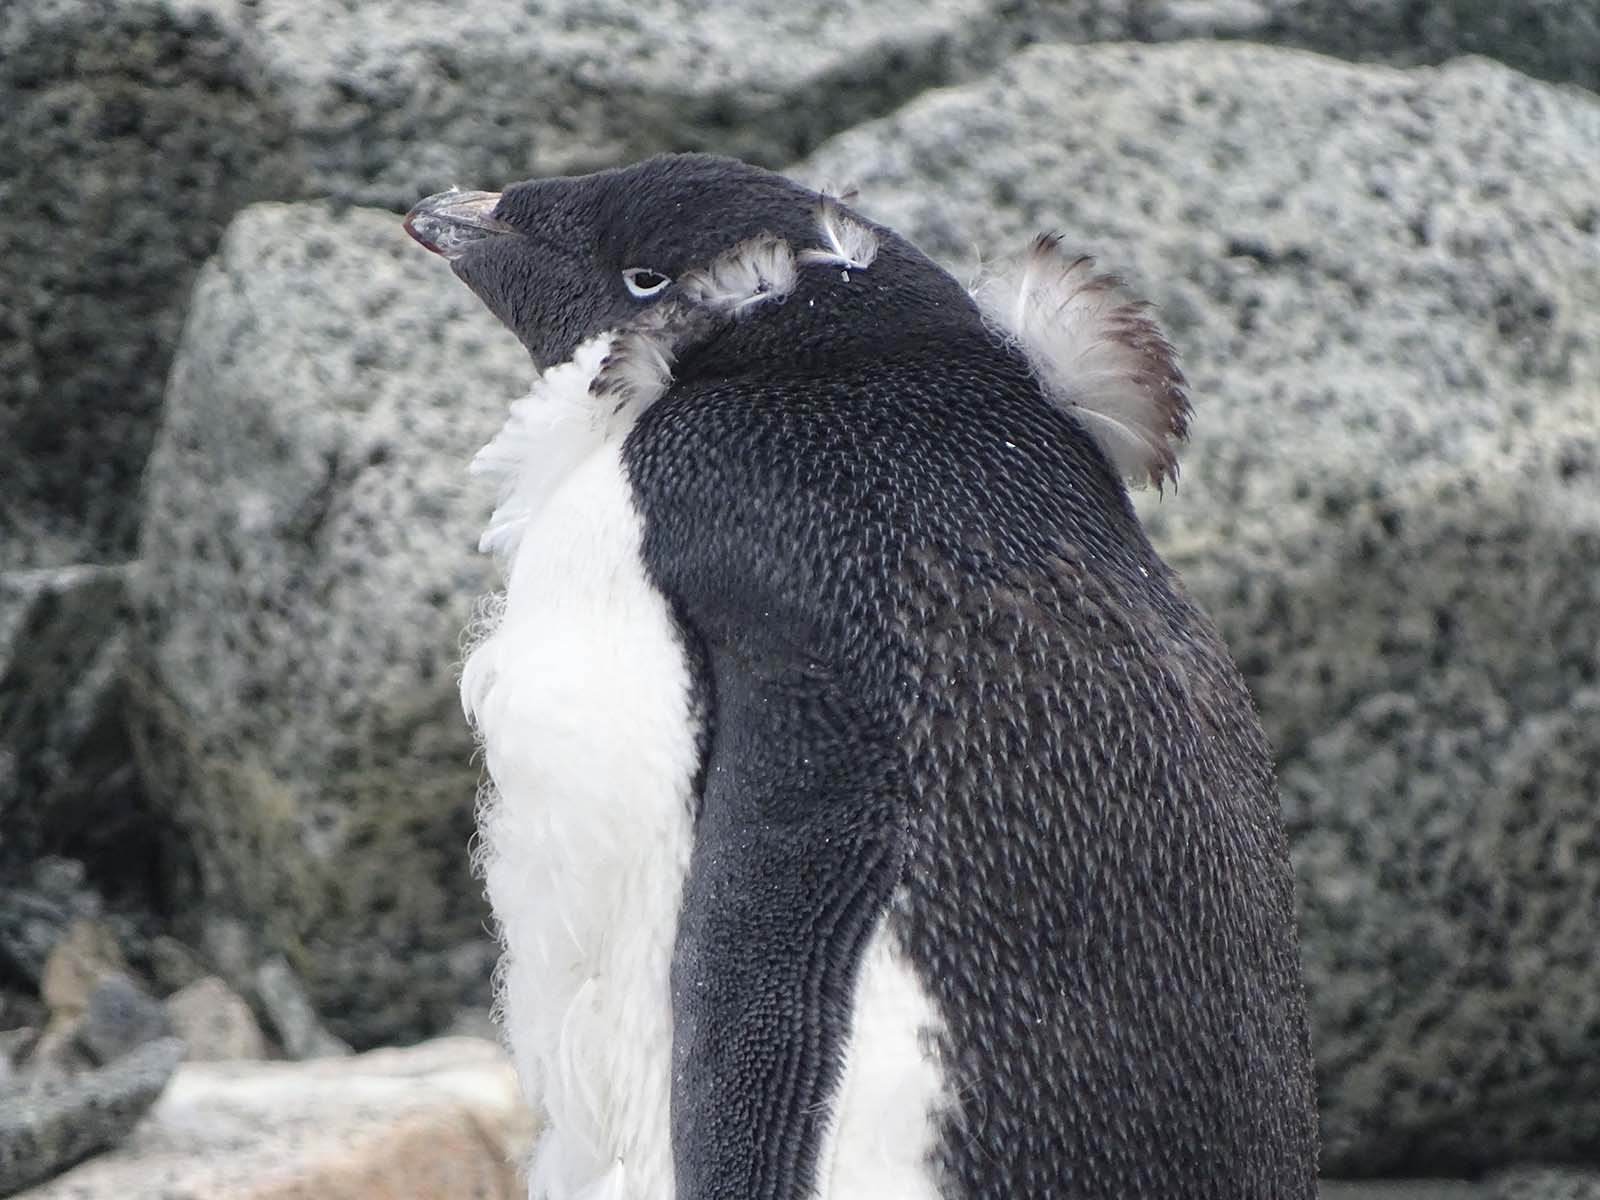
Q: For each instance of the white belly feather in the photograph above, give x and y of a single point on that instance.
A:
(581, 693)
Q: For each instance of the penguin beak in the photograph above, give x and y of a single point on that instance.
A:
(450, 222)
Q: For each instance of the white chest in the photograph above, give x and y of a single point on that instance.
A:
(581, 694)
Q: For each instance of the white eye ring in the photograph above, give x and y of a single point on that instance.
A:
(643, 282)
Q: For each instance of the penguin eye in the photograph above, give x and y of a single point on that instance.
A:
(642, 281)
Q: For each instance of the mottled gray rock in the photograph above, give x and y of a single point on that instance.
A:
(293, 1018)
(1384, 282)
(443, 1120)
(37, 911)
(1554, 39)
(215, 1023)
(309, 563)
(393, 100)
(47, 1126)
(1407, 1189)
(67, 781)
(133, 130)
(1545, 1183)
(121, 1016)
(173, 965)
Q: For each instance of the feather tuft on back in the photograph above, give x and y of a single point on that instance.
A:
(1099, 353)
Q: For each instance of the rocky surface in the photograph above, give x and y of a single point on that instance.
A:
(120, 1017)
(215, 1023)
(47, 1125)
(1545, 1183)
(68, 786)
(133, 132)
(1549, 38)
(309, 561)
(1389, 505)
(441, 1120)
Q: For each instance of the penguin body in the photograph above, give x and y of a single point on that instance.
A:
(873, 814)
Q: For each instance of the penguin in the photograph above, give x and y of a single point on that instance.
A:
(870, 812)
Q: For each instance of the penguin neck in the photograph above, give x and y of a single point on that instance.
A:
(837, 320)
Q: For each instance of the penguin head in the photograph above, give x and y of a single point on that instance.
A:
(694, 242)
(696, 263)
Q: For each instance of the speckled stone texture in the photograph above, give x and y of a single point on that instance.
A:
(46, 1126)
(1391, 506)
(309, 561)
(132, 132)
(393, 100)
(442, 1120)
(67, 782)
(1553, 39)
(1545, 1183)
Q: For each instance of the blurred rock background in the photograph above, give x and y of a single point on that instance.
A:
(237, 539)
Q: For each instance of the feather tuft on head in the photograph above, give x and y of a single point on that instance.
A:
(850, 244)
(1099, 353)
(757, 270)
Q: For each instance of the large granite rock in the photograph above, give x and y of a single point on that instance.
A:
(1554, 39)
(1384, 282)
(441, 1120)
(309, 562)
(393, 100)
(133, 131)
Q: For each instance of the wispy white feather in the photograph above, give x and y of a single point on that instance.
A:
(545, 433)
(1099, 353)
(757, 270)
(850, 243)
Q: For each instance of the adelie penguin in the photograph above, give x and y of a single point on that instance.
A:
(873, 814)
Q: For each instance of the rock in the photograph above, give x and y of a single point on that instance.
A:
(133, 131)
(56, 1055)
(216, 1025)
(293, 1018)
(16, 1037)
(309, 562)
(121, 1017)
(390, 105)
(47, 1126)
(36, 914)
(1545, 1183)
(1389, 506)
(441, 1120)
(66, 775)
(68, 784)
(1405, 1189)
(1556, 41)
(85, 956)
(173, 965)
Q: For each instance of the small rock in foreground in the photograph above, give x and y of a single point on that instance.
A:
(443, 1119)
(47, 1125)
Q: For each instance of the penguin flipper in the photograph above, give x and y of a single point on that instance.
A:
(772, 933)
